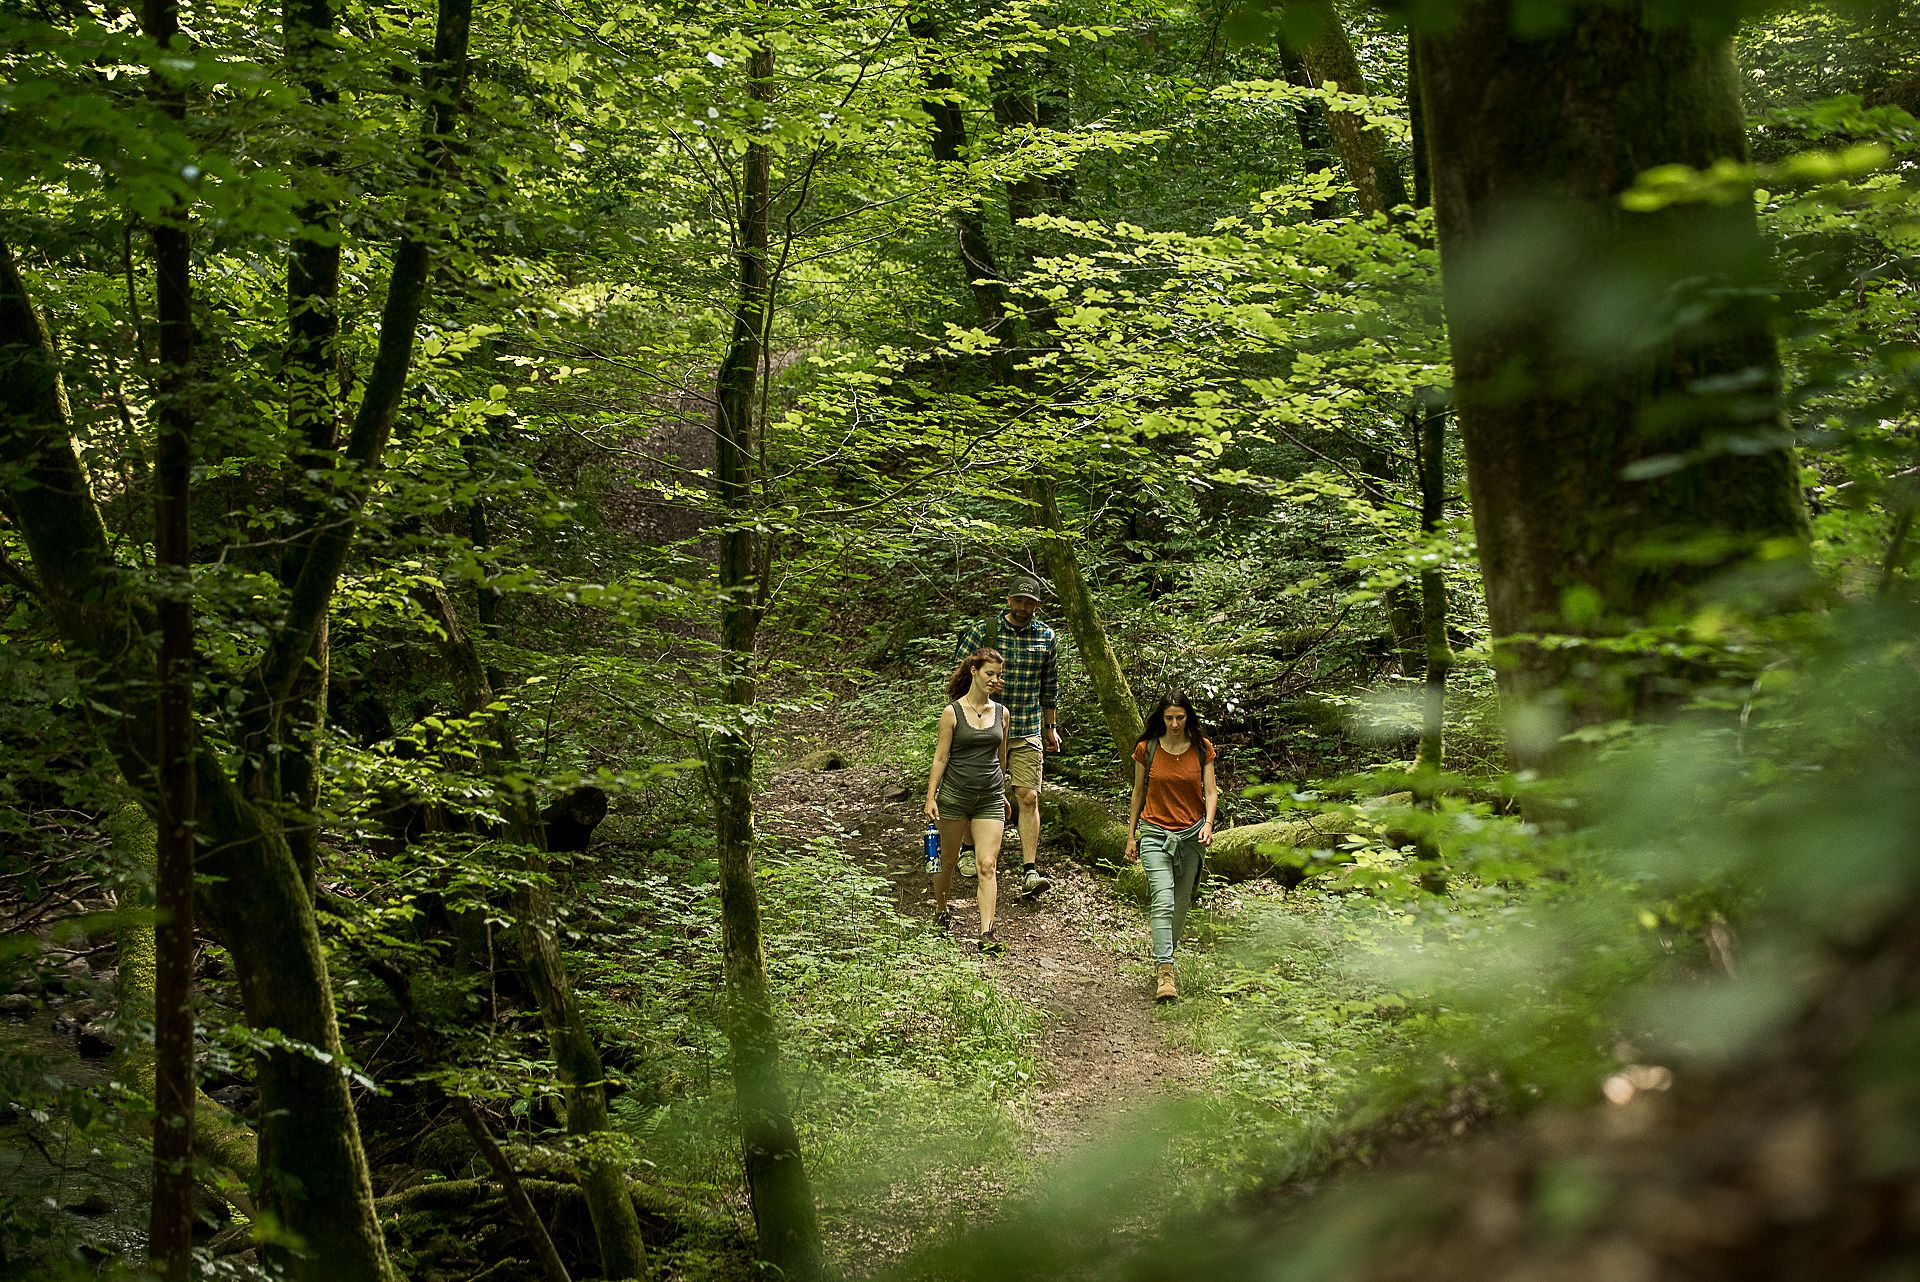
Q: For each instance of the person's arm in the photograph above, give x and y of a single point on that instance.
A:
(1213, 802)
(1133, 812)
(1049, 696)
(972, 639)
(940, 753)
(1006, 743)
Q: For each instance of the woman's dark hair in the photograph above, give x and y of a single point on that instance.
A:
(1157, 719)
(962, 679)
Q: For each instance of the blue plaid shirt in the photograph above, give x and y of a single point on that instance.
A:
(1032, 676)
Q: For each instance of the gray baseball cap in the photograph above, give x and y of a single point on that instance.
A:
(1027, 587)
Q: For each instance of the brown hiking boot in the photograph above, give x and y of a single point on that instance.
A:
(1163, 989)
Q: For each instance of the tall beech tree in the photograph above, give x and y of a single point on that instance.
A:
(1319, 46)
(783, 1209)
(1622, 451)
(1001, 320)
(254, 892)
(170, 1218)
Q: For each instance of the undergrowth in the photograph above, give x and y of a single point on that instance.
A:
(902, 1058)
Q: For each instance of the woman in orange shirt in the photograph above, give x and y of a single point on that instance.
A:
(1170, 822)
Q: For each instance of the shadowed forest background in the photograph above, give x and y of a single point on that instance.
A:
(488, 494)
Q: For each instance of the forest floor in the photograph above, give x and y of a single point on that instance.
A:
(1076, 954)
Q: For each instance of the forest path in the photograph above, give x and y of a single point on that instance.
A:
(1102, 1052)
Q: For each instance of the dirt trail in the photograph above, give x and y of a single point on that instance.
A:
(1102, 1052)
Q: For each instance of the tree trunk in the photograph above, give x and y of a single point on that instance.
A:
(1328, 56)
(221, 1141)
(1310, 123)
(170, 1219)
(1429, 423)
(576, 1057)
(401, 986)
(997, 316)
(783, 1209)
(1591, 461)
(1109, 679)
(982, 270)
(1402, 610)
(313, 421)
(314, 1178)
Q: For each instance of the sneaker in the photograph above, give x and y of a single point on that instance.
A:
(944, 917)
(969, 865)
(1032, 883)
(991, 946)
(1163, 986)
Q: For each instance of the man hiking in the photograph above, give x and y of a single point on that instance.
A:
(1032, 687)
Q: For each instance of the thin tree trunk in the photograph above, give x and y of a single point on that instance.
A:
(1108, 678)
(1429, 435)
(783, 1209)
(1417, 127)
(531, 1224)
(1402, 610)
(977, 261)
(576, 1056)
(997, 316)
(1328, 56)
(221, 1141)
(1429, 424)
(170, 1220)
(1538, 136)
(313, 421)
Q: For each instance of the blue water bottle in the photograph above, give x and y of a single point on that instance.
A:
(933, 848)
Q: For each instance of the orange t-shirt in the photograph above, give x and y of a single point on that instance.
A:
(1176, 793)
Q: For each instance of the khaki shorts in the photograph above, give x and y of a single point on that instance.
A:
(1024, 758)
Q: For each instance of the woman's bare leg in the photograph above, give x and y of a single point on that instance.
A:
(952, 833)
(986, 853)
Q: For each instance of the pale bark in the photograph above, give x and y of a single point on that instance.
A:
(1328, 58)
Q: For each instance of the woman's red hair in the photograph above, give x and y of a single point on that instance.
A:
(962, 679)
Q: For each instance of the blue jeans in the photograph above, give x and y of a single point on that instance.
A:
(1171, 861)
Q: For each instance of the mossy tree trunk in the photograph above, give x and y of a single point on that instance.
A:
(1020, 105)
(1104, 673)
(253, 890)
(223, 1144)
(576, 1056)
(1614, 471)
(783, 1211)
(1310, 124)
(1326, 53)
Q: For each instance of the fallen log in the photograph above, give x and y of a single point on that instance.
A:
(1092, 829)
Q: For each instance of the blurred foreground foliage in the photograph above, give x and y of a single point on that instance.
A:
(1678, 1094)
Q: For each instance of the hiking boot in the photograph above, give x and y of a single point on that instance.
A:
(990, 946)
(1163, 989)
(969, 865)
(1032, 883)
